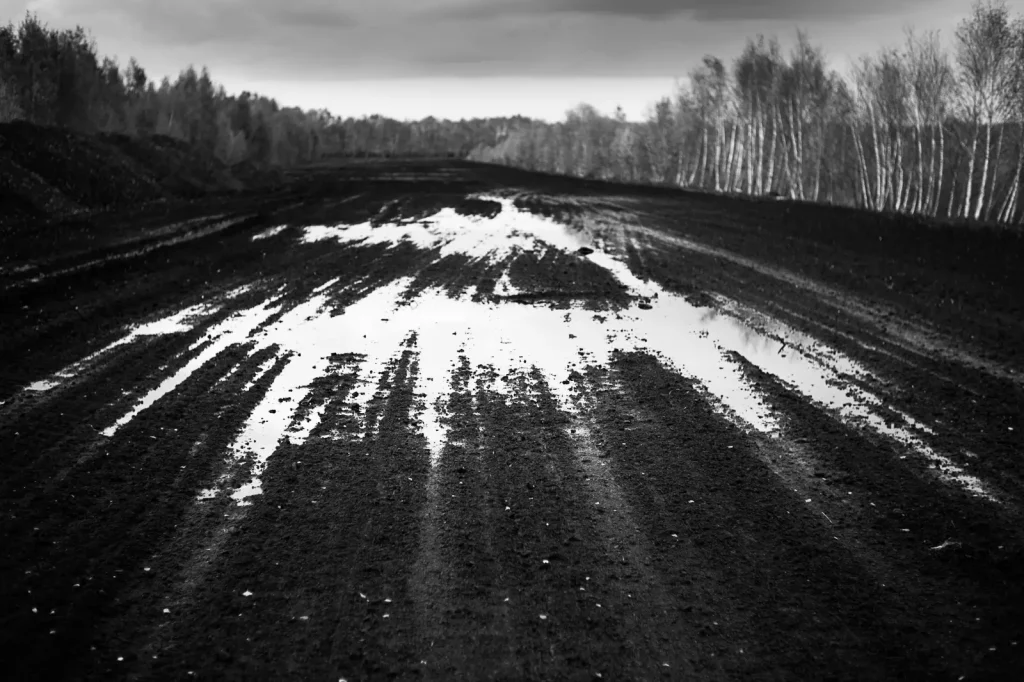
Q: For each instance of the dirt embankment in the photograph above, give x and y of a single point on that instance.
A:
(51, 174)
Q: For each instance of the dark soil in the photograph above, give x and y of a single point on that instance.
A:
(644, 537)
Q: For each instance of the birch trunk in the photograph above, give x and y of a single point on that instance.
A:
(927, 208)
(718, 157)
(966, 208)
(862, 168)
(940, 176)
(877, 201)
(751, 152)
(897, 168)
(760, 169)
(984, 170)
(952, 193)
(919, 204)
(817, 165)
(797, 169)
(989, 205)
(730, 159)
(1006, 214)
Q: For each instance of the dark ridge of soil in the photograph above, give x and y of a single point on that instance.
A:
(310, 550)
(60, 173)
(756, 564)
(180, 170)
(572, 275)
(80, 167)
(41, 443)
(191, 230)
(484, 208)
(961, 280)
(454, 274)
(561, 209)
(416, 206)
(93, 531)
(674, 275)
(182, 560)
(982, 573)
(519, 585)
(971, 410)
(26, 195)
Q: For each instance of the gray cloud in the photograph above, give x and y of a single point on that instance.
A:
(653, 10)
(190, 22)
(314, 40)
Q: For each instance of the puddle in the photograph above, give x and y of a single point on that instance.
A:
(691, 339)
(510, 337)
(42, 385)
(181, 321)
(234, 329)
(910, 335)
(326, 285)
(310, 334)
(270, 232)
(479, 238)
(238, 291)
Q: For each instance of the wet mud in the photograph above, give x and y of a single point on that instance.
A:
(442, 421)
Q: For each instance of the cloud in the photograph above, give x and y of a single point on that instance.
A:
(316, 40)
(654, 10)
(190, 22)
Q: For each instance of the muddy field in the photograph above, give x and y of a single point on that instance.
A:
(453, 422)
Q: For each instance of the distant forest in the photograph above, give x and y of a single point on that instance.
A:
(56, 78)
(919, 128)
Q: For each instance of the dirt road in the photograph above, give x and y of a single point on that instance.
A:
(443, 421)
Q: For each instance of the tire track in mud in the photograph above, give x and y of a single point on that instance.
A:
(387, 533)
(457, 579)
(523, 573)
(193, 558)
(93, 305)
(948, 552)
(658, 642)
(52, 436)
(114, 512)
(970, 412)
(324, 552)
(541, 533)
(756, 566)
(912, 334)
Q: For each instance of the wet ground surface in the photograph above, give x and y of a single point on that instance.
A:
(443, 421)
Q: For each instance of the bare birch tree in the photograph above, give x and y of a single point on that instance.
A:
(984, 57)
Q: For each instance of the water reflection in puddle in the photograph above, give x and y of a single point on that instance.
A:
(693, 340)
(234, 329)
(510, 337)
(179, 322)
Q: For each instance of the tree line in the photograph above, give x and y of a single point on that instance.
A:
(920, 128)
(56, 78)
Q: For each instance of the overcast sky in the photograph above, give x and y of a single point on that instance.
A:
(465, 58)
